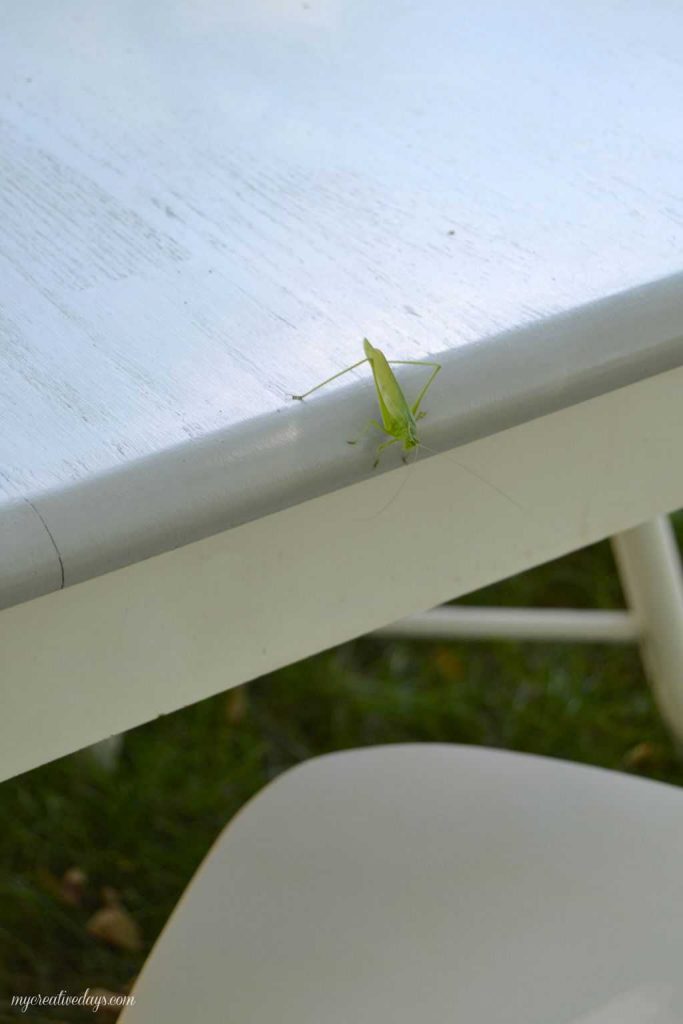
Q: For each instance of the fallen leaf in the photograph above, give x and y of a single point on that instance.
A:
(642, 757)
(236, 705)
(447, 663)
(73, 886)
(114, 925)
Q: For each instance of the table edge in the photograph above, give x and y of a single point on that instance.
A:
(240, 474)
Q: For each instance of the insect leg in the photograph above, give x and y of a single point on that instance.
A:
(418, 401)
(368, 426)
(300, 398)
(418, 362)
(380, 449)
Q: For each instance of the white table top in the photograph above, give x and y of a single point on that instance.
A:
(204, 207)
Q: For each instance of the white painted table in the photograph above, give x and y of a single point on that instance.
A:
(204, 207)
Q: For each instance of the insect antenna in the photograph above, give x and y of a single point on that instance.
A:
(394, 497)
(478, 476)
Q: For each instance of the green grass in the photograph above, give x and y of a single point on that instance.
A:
(144, 828)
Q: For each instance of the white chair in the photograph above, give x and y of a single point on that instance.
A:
(432, 884)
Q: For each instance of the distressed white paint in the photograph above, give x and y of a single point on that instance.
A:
(204, 206)
(110, 653)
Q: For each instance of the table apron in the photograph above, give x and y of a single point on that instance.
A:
(113, 652)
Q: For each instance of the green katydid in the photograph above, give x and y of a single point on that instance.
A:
(399, 419)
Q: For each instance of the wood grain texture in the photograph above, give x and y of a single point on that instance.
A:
(204, 207)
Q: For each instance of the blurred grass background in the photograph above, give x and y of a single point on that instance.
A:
(143, 828)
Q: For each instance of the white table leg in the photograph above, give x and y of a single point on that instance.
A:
(107, 752)
(650, 571)
(561, 625)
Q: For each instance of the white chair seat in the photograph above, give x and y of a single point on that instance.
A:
(426, 884)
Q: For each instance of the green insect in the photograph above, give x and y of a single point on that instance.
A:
(399, 419)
